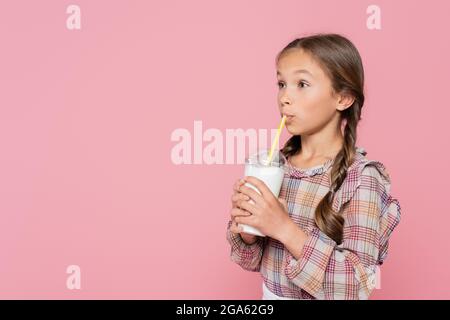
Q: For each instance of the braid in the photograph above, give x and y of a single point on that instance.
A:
(328, 221)
(292, 146)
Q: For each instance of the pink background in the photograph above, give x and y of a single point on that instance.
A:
(86, 117)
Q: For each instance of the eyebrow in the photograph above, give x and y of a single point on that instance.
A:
(299, 71)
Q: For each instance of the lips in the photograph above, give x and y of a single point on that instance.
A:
(289, 118)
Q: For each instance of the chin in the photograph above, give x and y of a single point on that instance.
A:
(293, 130)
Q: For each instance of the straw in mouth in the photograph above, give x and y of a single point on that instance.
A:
(275, 141)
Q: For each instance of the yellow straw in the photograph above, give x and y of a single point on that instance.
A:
(277, 137)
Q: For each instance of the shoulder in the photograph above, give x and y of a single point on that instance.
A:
(366, 174)
(372, 180)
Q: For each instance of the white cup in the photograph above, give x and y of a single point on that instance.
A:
(271, 174)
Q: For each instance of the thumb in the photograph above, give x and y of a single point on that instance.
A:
(283, 203)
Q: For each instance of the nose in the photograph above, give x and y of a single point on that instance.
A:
(283, 103)
(284, 100)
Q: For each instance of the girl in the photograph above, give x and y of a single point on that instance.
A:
(328, 231)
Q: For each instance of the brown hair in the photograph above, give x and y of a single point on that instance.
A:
(341, 61)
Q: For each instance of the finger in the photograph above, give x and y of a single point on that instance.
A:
(236, 212)
(247, 206)
(237, 184)
(260, 185)
(255, 196)
(237, 197)
(250, 220)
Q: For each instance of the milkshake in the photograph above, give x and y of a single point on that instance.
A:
(271, 174)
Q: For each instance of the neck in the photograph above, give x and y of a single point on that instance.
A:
(323, 144)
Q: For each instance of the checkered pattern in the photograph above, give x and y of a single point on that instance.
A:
(326, 270)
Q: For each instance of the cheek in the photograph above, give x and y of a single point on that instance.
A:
(313, 112)
(312, 106)
(318, 105)
(317, 113)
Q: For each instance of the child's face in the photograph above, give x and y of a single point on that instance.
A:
(308, 97)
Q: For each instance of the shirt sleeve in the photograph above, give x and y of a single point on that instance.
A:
(248, 256)
(348, 270)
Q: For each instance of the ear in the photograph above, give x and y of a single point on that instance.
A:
(344, 101)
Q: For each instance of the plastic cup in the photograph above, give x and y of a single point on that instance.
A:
(271, 174)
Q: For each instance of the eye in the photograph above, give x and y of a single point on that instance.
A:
(302, 83)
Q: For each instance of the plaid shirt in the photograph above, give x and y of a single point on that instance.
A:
(326, 270)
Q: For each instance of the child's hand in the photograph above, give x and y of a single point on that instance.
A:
(268, 213)
(237, 195)
(236, 211)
